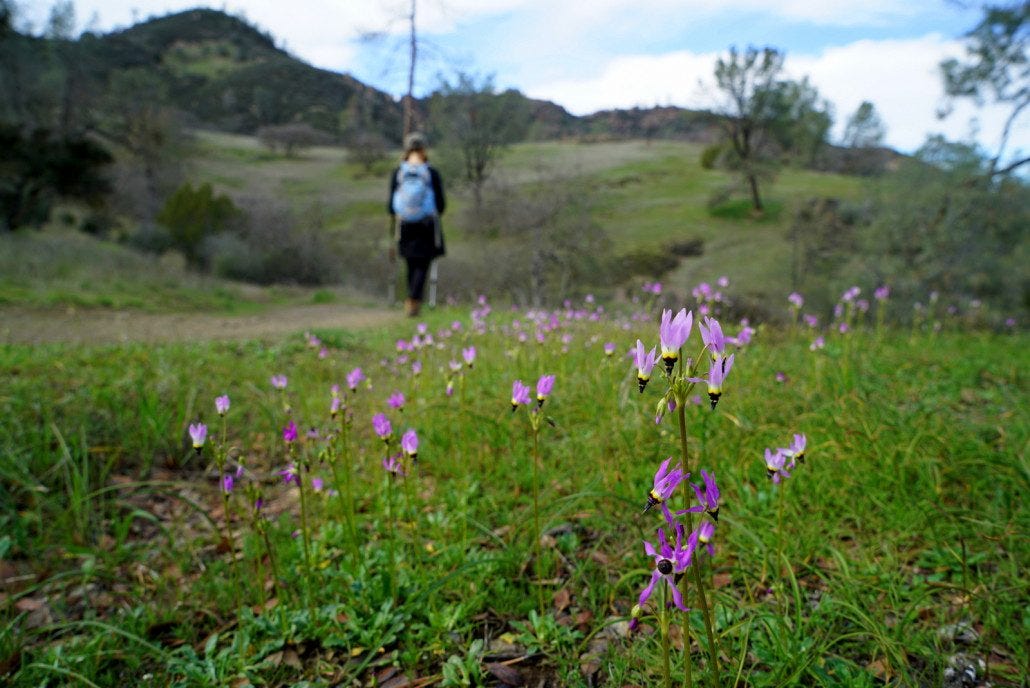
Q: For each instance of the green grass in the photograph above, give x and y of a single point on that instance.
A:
(57, 267)
(905, 519)
(643, 195)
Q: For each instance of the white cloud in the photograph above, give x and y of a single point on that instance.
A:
(900, 77)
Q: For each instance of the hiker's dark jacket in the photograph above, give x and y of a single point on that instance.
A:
(422, 239)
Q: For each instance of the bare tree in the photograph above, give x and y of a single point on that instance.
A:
(478, 125)
(749, 81)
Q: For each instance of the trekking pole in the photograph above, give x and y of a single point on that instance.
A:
(391, 251)
(433, 274)
(434, 271)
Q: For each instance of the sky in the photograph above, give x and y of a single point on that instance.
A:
(590, 55)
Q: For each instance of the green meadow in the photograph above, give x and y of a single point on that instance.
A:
(897, 549)
(510, 549)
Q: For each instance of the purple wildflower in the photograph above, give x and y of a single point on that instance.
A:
(198, 433)
(673, 333)
(882, 293)
(381, 425)
(796, 300)
(775, 466)
(278, 381)
(409, 443)
(709, 498)
(817, 343)
(703, 536)
(317, 484)
(290, 432)
(543, 388)
(395, 401)
(665, 483)
(227, 483)
(712, 336)
(609, 348)
(416, 367)
(796, 451)
(392, 464)
(645, 361)
(519, 394)
(781, 376)
(669, 560)
(222, 404)
(334, 407)
(810, 320)
(469, 354)
(354, 378)
(289, 474)
(716, 376)
(743, 337)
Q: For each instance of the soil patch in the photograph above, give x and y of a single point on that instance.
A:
(91, 326)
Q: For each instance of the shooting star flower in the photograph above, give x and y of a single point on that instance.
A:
(543, 388)
(198, 433)
(290, 432)
(673, 333)
(645, 361)
(354, 378)
(409, 443)
(665, 482)
(382, 427)
(669, 560)
(519, 394)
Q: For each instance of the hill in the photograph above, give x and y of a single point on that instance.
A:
(223, 73)
(231, 76)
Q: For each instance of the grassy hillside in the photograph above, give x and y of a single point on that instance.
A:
(641, 194)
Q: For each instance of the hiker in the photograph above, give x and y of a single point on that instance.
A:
(415, 206)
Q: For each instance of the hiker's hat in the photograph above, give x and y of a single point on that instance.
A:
(416, 140)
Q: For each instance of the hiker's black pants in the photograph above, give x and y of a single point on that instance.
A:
(418, 270)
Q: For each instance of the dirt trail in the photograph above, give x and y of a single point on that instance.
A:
(90, 326)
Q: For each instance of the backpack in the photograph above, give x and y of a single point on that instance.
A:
(413, 199)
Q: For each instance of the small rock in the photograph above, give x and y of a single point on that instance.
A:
(962, 671)
(961, 632)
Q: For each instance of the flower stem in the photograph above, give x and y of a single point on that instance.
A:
(706, 614)
(664, 624)
(688, 679)
(538, 554)
(391, 535)
(304, 538)
(232, 546)
(713, 649)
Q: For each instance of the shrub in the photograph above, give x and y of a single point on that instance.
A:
(192, 214)
(642, 262)
(710, 156)
(289, 138)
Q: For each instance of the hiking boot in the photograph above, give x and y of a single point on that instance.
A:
(412, 307)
